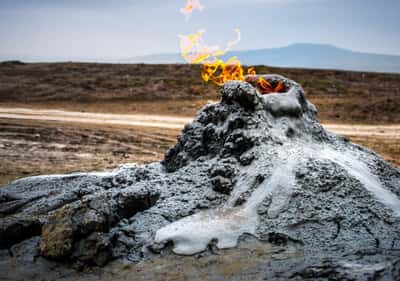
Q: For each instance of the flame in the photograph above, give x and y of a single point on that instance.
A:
(264, 86)
(251, 71)
(194, 50)
(191, 5)
(215, 69)
(219, 71)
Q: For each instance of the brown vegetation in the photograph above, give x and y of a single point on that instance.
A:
(340, 96)
(38, 147)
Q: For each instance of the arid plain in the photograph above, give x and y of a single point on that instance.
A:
(67, 117)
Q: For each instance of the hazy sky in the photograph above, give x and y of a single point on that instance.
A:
(124, 28)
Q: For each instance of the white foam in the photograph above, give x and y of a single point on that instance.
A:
(193, 234)
(279, 188)
(361, 172)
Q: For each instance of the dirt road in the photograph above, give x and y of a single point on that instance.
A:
(142, 120)
(168, 122)
(35, 142)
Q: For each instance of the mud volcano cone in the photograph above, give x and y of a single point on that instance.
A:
(250, 168)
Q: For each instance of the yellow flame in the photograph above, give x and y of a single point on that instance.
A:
(251, 71)
(219, 71)
(191, 5)
(194, 50)
(215, 69)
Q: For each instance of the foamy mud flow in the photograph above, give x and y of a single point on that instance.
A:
(250, 168)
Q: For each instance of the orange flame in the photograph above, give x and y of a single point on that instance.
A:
(264, 86)
(251, 71)
(219, 71)
(194, 50)
(215, 69)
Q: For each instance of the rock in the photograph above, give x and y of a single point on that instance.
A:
(222, 184)
(282, 105)
(26, 251)
(241, 93)
(222, 176)
(94, 250)
(12, 206)
(57, 234)
(81, 223)
(16, 228)
(255, 188)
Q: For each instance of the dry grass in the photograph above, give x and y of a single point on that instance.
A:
(340, 96)
(33, 147)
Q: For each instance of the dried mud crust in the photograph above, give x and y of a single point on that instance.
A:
(255, 170)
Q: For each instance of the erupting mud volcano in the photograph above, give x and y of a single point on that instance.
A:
(253, 176)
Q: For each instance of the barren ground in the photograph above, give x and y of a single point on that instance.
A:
(31, 147)
(36, 142)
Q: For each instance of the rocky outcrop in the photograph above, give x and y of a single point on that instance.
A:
(254, 178)
(77, 229)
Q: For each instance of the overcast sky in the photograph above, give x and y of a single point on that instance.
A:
(125, 28)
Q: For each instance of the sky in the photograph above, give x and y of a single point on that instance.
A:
(119, 29)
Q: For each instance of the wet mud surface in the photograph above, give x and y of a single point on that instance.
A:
(253, 189)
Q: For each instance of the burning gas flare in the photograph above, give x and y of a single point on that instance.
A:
(191, 5)
(194, 50)
(263, 85)
(215, 69)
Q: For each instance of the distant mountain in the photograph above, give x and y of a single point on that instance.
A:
(301, 55)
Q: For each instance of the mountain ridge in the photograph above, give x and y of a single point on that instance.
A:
(298, 55)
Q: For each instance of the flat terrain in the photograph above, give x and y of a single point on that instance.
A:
(33, 147)
(169, 122)
(58, 118)
(341, 96)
